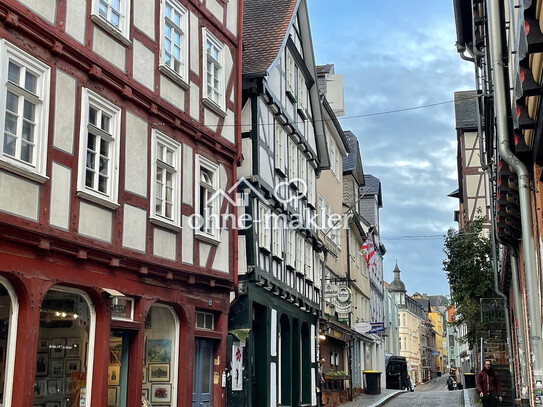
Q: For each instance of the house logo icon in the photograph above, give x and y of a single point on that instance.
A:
(238, 194)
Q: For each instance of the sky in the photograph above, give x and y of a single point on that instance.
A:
(395, 55)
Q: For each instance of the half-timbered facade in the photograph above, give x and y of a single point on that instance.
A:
(118, 123)
(283, 151)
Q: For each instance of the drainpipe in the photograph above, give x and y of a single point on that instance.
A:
(502, 130)
(521, 328)
(318, 328)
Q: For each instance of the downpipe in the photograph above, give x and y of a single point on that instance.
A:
(502, 129)
(524, 394)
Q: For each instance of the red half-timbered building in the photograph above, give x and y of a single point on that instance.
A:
(119, 123)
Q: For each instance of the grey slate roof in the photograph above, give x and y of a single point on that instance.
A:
(324, 69)
(353, 161)
(465, 109)
(373, 187)
(265, 24)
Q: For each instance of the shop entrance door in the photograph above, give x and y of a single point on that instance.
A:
(202, 390)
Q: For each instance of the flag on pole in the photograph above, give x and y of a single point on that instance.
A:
(367, 250)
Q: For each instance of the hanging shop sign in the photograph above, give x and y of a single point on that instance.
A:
(377, 327)
(343, 300)
(362, 327)
(331, 290)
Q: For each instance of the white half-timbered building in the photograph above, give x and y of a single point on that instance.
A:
(283, 151)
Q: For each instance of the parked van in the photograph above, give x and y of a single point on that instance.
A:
(396, 373)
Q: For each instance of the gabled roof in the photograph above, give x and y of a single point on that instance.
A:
(372, 188)
(465, 109)
(265, 25)
(353, 162)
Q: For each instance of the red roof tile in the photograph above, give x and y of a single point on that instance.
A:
(265, 24)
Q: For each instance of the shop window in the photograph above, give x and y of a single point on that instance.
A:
(8, 328)
(159, 384)
(64, 353)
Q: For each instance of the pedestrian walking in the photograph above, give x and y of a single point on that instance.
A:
(489, 386)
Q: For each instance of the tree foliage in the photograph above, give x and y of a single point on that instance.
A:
(469, 270)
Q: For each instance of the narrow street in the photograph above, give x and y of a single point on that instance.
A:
(438, 383)
(428, 399)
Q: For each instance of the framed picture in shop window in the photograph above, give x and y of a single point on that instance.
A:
(56, 368)
(111, 396)
(159, 372)
(57, 348)
(113, 375)
(72, 365)
(43, 345)
(42, 364)
(73, 347)
(40, 388)
(161, 393)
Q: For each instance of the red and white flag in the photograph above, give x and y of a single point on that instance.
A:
(367, 250)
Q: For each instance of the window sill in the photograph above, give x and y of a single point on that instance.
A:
(155, 220)
(110, 29)
(207, 238)
(214, 107)
(23, 172)
(174, 76)
(88, 196)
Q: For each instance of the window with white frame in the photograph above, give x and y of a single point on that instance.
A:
(308, 260)
(116, 13)
(280, 147)
(302, 167)
(99, 149)
(264, 232)
(207, 202)
(293, 159)
(166, 187)
(214, 87)
(291, 250)
(291, 74)
(25, 110)
(302, 92)
(174, 38)
(334, 158)
(277, 238)
(311, 184)
(300, 252)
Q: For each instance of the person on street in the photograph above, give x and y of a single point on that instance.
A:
(450, 383)
(489, 386)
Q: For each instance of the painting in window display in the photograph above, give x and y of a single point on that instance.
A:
(64, 330)
(161, 338)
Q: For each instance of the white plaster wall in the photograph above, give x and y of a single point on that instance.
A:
(211, 120)
(144, 65)
(266, 166)
(472, 181)
(76, 11)
(215, 8)
(134, 228)
(108, 48)
(144, 17)
(172, 93)
(45, 8)
(228, 64)
(59, 210)
(204, 253)
(221, 261)
(246, 168)
(194, 37)
(233, 94)
(274, 79)
(232, 16)
(228, 128)
(95, 222)
(135, 176)
(64, 122)
(187, 243)
(246, 117)
(19, 196)
(188, 178)
(194, 101)
(164, 244)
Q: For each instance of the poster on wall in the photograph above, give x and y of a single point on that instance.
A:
(237, 367)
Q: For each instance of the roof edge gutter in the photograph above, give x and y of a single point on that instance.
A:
(502, 130)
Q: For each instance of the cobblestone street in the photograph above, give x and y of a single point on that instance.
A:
(428, 399)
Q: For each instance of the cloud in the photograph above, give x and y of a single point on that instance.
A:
(396, 55)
